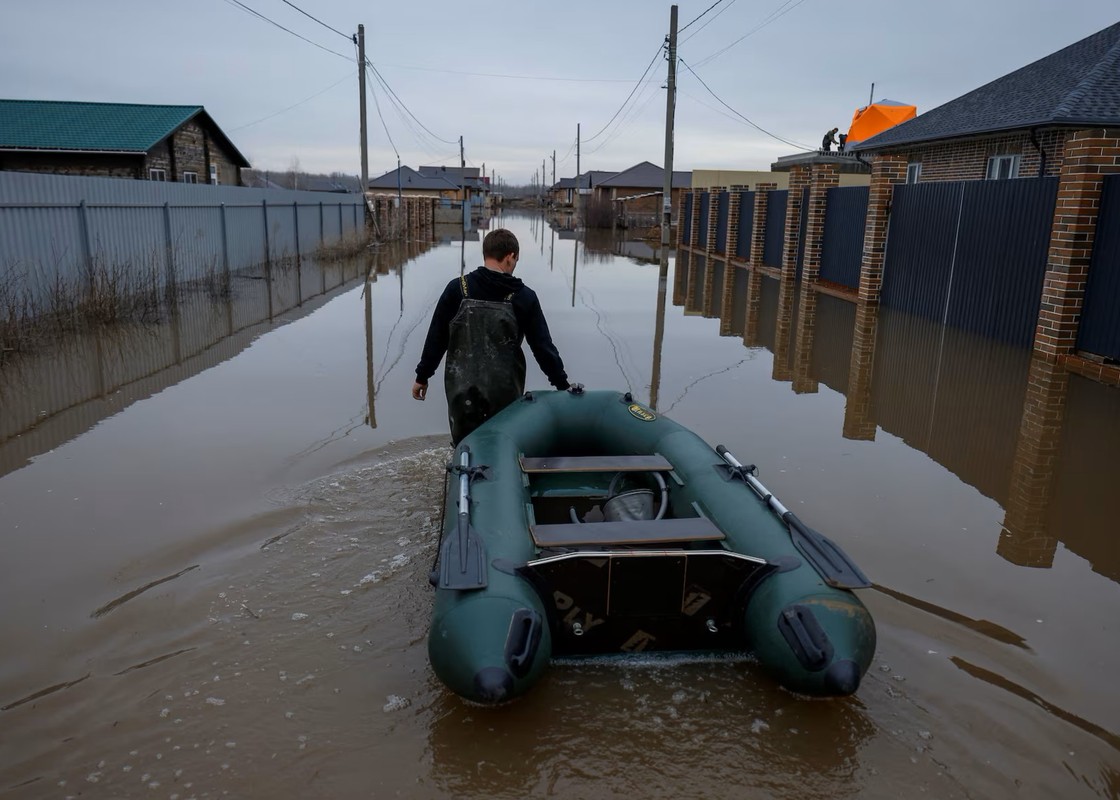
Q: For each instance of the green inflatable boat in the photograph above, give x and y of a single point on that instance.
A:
(583, 524)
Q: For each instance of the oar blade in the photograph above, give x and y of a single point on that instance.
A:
(462, 561)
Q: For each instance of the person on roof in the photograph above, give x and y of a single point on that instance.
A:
(829, 140)
(480, 322)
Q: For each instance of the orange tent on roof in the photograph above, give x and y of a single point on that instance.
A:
(876, 118)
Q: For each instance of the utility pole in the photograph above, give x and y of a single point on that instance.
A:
(575, 200)
(670, 113)
(361, 42)
(462, 157)
(554, 166)
(871, 99)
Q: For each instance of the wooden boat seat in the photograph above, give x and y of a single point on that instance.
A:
(643, 463)
(654, 531)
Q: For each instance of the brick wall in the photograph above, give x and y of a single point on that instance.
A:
(967, 159)
(193, 148)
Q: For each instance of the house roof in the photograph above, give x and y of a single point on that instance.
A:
(411, 179)
(647, 176)
(459, 176)
(596, 177)
(96, 127)
(1078, 85)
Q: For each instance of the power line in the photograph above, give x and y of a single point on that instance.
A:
(706, 10)
(741, 116)
(246, 9)
(325, 25)
(706, 24)
(377, 105)
(293, 105)
(773, 17)
(388, 88)
(505, 75)
(660, 48)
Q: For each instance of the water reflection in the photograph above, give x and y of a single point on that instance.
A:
(1025, 433)
(64, 387)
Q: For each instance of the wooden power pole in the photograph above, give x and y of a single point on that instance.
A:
(362, 104)
(670, 114)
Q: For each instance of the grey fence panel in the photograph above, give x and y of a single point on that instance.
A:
(723, 207)
(705, 210)
(920, 244)
(245, 229)
(1002, 245)
(196, 252)
(1100, 317)
(687, 221)
(775, 228)
(45, 234)
(308, 228)
(842, 247)
(746, 225)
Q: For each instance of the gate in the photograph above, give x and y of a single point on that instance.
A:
(1100, 316)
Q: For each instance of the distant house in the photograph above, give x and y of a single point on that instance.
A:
(414, 184)
(468, 180)
(1016, 126)
(563, 192)
(118, 140)
(644, 183)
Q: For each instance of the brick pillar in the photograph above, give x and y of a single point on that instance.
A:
(680, 277)
(713, 218)
(733, 212)
(821, 178)
(886, 171)
(758, 231)
(859, 422)
(786, 292)
(694, 232)
(680, 216)
(1025, 539)
(754, 304)
(798, 180)
(1089, 156)
(803, 382)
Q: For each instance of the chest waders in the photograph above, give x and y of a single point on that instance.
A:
(485, 368)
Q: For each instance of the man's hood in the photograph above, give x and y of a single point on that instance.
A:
(498, 281)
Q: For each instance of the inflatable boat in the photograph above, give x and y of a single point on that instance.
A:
(584, 524)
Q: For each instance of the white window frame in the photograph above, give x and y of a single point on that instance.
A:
(156, 174)
(995, 167)
(190, 177)
(913, 172)
(214, 173)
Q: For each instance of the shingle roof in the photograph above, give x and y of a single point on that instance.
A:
(596, 177)
(648, 176)
(1078, 85)
(94, 127)
(411, 179)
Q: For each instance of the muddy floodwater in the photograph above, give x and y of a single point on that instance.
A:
(215, 535)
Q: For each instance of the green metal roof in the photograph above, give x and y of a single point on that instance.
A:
(116, 127)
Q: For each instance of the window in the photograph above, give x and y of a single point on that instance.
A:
(157, 175)
(1003, 167)
(213, 173)
(913, 172)
(190, 177)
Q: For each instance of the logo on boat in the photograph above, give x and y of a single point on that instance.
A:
(644, 414)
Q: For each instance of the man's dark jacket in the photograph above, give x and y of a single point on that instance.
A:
(488, 284)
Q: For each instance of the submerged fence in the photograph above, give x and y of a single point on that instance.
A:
(57, 230)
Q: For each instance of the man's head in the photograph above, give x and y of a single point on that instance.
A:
(500, 246)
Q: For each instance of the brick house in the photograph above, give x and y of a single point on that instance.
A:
(1017, 125)
(182, 144)
(468, 180)
(643, 179)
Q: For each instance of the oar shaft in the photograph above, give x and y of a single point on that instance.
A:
(754, 483)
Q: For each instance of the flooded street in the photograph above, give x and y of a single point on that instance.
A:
(214, 572)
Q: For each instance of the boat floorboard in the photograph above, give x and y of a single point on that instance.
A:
(660, 531)
(642, 463)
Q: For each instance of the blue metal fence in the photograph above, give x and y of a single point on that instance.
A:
(746, 224)
(971, 254)
(1100, 317)
(775, 228)
(842, 248)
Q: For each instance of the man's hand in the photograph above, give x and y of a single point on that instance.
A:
(419, 391)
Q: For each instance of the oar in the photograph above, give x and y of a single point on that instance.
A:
(832, 563)
(462, 559)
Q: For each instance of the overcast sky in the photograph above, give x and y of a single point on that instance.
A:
(514, 78)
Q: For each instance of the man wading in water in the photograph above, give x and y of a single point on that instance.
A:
(480, 322)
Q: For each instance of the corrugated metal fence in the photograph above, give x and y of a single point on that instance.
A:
(1100, 318)
(842, 249)
(55, 229)
(971, 254)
